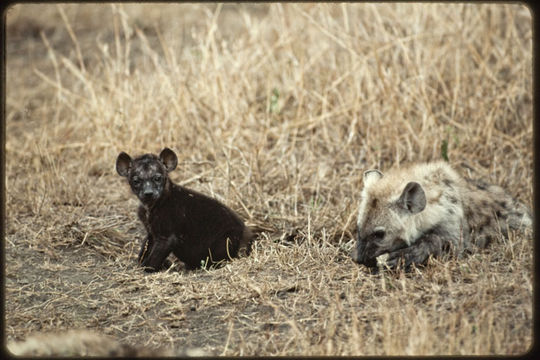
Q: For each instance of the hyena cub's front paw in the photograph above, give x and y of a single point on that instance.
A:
(149, 254)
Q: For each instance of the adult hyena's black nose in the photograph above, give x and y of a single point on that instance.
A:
(357, 254)
(360, 254)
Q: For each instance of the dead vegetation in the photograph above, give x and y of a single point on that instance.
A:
(276, 110)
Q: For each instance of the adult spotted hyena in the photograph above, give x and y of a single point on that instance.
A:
(426, 209)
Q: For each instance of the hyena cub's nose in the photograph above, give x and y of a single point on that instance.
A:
(147, 193)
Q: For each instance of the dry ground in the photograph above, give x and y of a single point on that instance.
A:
(276, 110)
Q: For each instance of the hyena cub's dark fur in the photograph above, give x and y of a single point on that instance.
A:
(409, 214)
(191, 225)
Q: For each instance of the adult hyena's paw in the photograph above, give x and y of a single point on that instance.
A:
(404, 258)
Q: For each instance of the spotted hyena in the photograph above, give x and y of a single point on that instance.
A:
(427, 209)
(193, 226)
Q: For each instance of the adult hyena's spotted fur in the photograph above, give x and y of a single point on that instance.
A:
(428, 209)
(491, 210)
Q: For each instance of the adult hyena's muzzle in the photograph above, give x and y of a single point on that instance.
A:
(361, 254)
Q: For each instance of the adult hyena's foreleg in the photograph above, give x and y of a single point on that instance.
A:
(431, 244)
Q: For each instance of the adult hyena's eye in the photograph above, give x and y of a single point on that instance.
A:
(378, 234)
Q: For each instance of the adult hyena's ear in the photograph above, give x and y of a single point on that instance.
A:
(413, 198)
(169, 159)
(371, 176)
(123, 164)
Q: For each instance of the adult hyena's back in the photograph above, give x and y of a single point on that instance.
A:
(490, 211)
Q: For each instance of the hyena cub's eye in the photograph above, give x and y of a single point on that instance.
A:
(136, 181)
(157, 178)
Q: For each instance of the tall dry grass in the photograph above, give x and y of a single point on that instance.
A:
(276, 110)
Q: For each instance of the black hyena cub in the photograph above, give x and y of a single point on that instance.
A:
(194, 227)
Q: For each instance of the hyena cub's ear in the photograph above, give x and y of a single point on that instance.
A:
(123, 164)
(371, 176)
(169, 159)
(413, 198)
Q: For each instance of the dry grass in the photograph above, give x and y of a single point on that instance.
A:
(276, 110)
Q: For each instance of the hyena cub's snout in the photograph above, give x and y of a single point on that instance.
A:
(150, 190)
